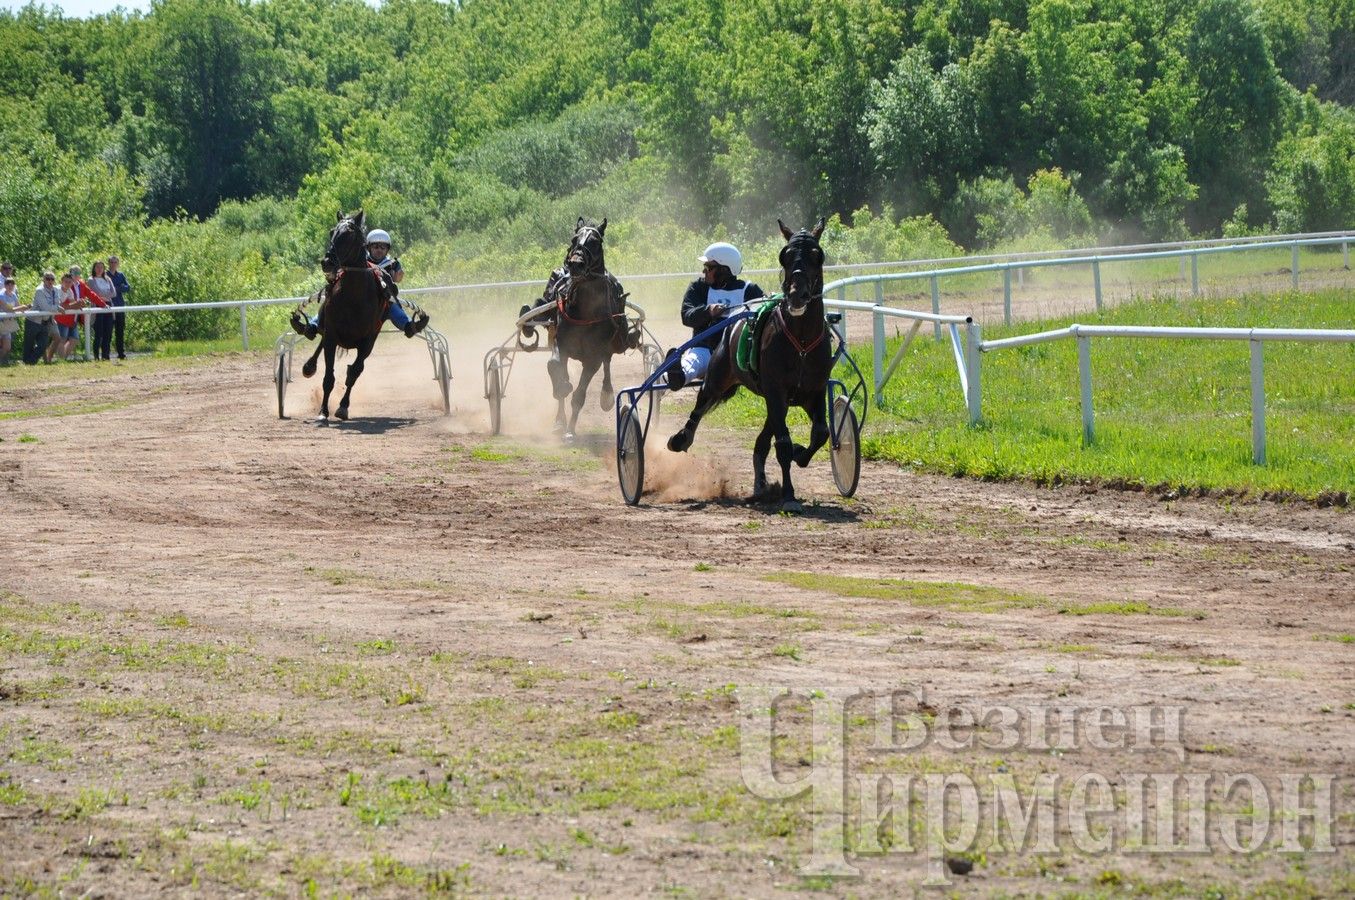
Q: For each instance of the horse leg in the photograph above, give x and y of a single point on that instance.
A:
(761, 446)
(590, 368)
(329, 347)
(709, 397)
(818, 430)
(558, 369)
(308, 367)
(354, 372)
(608, 396)
(785, 448)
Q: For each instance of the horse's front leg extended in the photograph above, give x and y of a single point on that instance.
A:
(328, 346)
(818, 429)
(608, 395)
(354, 371)
(590, 368)
(558, 369)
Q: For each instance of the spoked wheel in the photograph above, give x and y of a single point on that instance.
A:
(630, 456)
(846, 451)
(280, 376)
(494, 390)
(445, 382)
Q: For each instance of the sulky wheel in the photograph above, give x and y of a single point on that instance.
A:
(445, 382)
(494, 391)
(630, 456)
(280, 376)
(846, 447)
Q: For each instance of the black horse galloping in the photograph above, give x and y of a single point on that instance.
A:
(355, 308)
(795, 362)
(590, 322)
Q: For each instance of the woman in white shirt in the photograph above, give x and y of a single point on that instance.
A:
(100, 282)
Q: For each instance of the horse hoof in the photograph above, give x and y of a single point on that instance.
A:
(792, 506)
(568, 437)
(308, 368)
(341, 413)
(679, 442)
(801, 456)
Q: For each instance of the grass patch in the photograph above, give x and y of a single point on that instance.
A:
(1170, 415)
(938, 594)
(1127, 608)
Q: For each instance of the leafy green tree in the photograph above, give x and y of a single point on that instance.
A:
(209, 80)
(1238, 105)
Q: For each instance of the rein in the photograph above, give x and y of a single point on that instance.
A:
(802, 349)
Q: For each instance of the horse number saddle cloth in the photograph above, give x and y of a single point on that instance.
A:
(750, 341)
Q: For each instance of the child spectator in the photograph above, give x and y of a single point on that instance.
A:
(9, 302)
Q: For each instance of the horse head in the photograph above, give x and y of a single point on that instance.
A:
(801, 267)
(347, 243)
(584, 258)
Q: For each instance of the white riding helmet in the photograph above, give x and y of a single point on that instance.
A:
(377, 236)
(726, 255)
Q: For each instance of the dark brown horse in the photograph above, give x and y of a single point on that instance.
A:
(590, 322)
(355, 308)
(795, 362)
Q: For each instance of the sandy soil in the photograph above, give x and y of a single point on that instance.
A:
(245, 654)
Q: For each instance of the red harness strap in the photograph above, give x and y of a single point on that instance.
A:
(803, 349)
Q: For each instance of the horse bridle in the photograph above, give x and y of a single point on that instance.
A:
(592, 261)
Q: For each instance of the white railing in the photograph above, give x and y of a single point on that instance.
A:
(1256, 336)
(1192, 253)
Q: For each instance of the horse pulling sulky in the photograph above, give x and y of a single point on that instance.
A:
(784, 351)
(352, 316)
(584, 315)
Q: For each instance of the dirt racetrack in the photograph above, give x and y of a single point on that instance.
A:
(241, 654)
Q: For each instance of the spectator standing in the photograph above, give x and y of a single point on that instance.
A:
(102, 285)
(87, 297)
(9, 302)
(40, 332)
(120, 291)
(67, 327)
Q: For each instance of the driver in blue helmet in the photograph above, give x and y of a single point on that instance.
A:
(708, 299)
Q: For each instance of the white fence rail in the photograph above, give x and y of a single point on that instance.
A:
(1257, 337)
(1190, 253)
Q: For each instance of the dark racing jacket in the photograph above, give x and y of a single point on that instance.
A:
(699, 297)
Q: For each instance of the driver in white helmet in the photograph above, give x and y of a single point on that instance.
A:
(378, 251)
(710, 298)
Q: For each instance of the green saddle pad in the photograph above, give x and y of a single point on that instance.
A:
(746, 355)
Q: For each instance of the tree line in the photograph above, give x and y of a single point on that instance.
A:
(211, 141)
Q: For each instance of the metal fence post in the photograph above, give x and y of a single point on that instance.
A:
(842, 296)
(1195, 274)
(936, 306)
(1183, 267)
(1084, 373)
(1096, 278)
(974, 371)
(1345, 255)
(1258, 404)
(879, 341)
(89, 338)
(1007, 296)
(1294, 266)
(244, 327)
(1020, 277)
